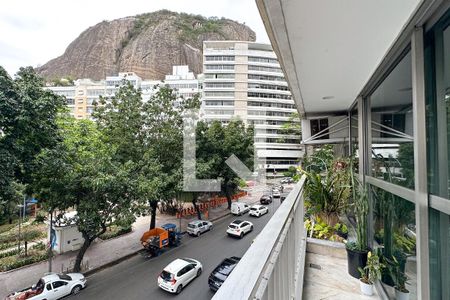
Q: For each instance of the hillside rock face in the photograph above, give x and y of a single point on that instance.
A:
(148, 44)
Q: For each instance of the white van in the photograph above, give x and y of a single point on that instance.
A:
(239, 208)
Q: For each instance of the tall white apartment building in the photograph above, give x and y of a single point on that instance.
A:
(81, 96)
(244, 80)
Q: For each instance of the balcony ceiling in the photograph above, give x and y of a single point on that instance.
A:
(329, 49)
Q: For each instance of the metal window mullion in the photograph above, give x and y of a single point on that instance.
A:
(420, 164)
(350, 144)
(368, 167)
(361, 136)
(392, 188)
(441, 117)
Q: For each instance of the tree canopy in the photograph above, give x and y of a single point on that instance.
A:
(28, 114)
(215, 144)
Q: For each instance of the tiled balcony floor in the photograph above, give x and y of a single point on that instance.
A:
(331, 281)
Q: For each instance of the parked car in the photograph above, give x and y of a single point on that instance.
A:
(239, 208)
(265, 199)
(221, 272)
(278, 187)
(287, 180)
(284, 181)
(258, 210)
(52, 287)
(276, 193)
(198, 227)
(178, 274)
(239, 228)
(283, 196)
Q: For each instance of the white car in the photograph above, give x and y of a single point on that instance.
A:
(198, 227)
(52, 287)
(239, 228)
(239, 208)
(276, 193)
(258, 210)
(178, 274)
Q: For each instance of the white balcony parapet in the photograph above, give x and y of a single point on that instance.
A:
(273, 266)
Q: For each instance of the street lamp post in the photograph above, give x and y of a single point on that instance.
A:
(50, 249)
(20, 218)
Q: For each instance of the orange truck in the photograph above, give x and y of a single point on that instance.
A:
(157, 239)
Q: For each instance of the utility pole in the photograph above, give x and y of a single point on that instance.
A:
(20, 219)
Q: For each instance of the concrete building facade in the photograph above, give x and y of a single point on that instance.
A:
(243, 80)
(82, 95)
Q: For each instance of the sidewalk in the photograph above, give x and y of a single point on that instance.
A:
(102, 253)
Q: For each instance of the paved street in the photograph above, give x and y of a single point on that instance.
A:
(136, 278)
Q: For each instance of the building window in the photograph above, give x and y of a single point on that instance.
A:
(219, 94)
(219, 85)
(264, 69)
(392, 126)
(437, 92)
(262, 60)
(267, 87)
(268, 95)
(219, 58)
(266, 77)
(317, 125)
(394, 121)
(219, 76)
(219, 67)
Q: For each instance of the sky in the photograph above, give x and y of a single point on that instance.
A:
(33, 32)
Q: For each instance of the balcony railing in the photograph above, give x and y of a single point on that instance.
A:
(273, 266)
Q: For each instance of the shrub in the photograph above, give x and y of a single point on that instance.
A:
(6, 227)
(9, 253)
(40, 218)
(14, 262)
(7, 245)
(39, 246)
(26, 235)
(115, 232)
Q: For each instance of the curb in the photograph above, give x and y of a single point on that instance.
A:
(111, 263)
(24, 267)
(120, 259)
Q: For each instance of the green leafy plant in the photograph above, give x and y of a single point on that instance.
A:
(321, 230)
(40, 218)
(372, 271)
(398, 275)
(327, 194)
(361, 210)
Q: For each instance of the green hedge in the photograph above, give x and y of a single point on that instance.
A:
(4, 246)
(38, 247)
(115, 232)
(7, 227)
(28, 235)
(9, 253)
(14, 262)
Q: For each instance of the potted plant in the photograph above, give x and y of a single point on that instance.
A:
(400, 279)
(357, 250)
(370, 273)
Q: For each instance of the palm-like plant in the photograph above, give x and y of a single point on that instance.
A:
(327, 193)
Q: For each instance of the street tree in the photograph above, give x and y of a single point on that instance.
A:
(149, 135)
(215, 144)
(82, 174)
(28, 115)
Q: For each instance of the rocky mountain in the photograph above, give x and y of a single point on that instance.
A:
(147, 44)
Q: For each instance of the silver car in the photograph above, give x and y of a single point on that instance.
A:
(198, 227)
